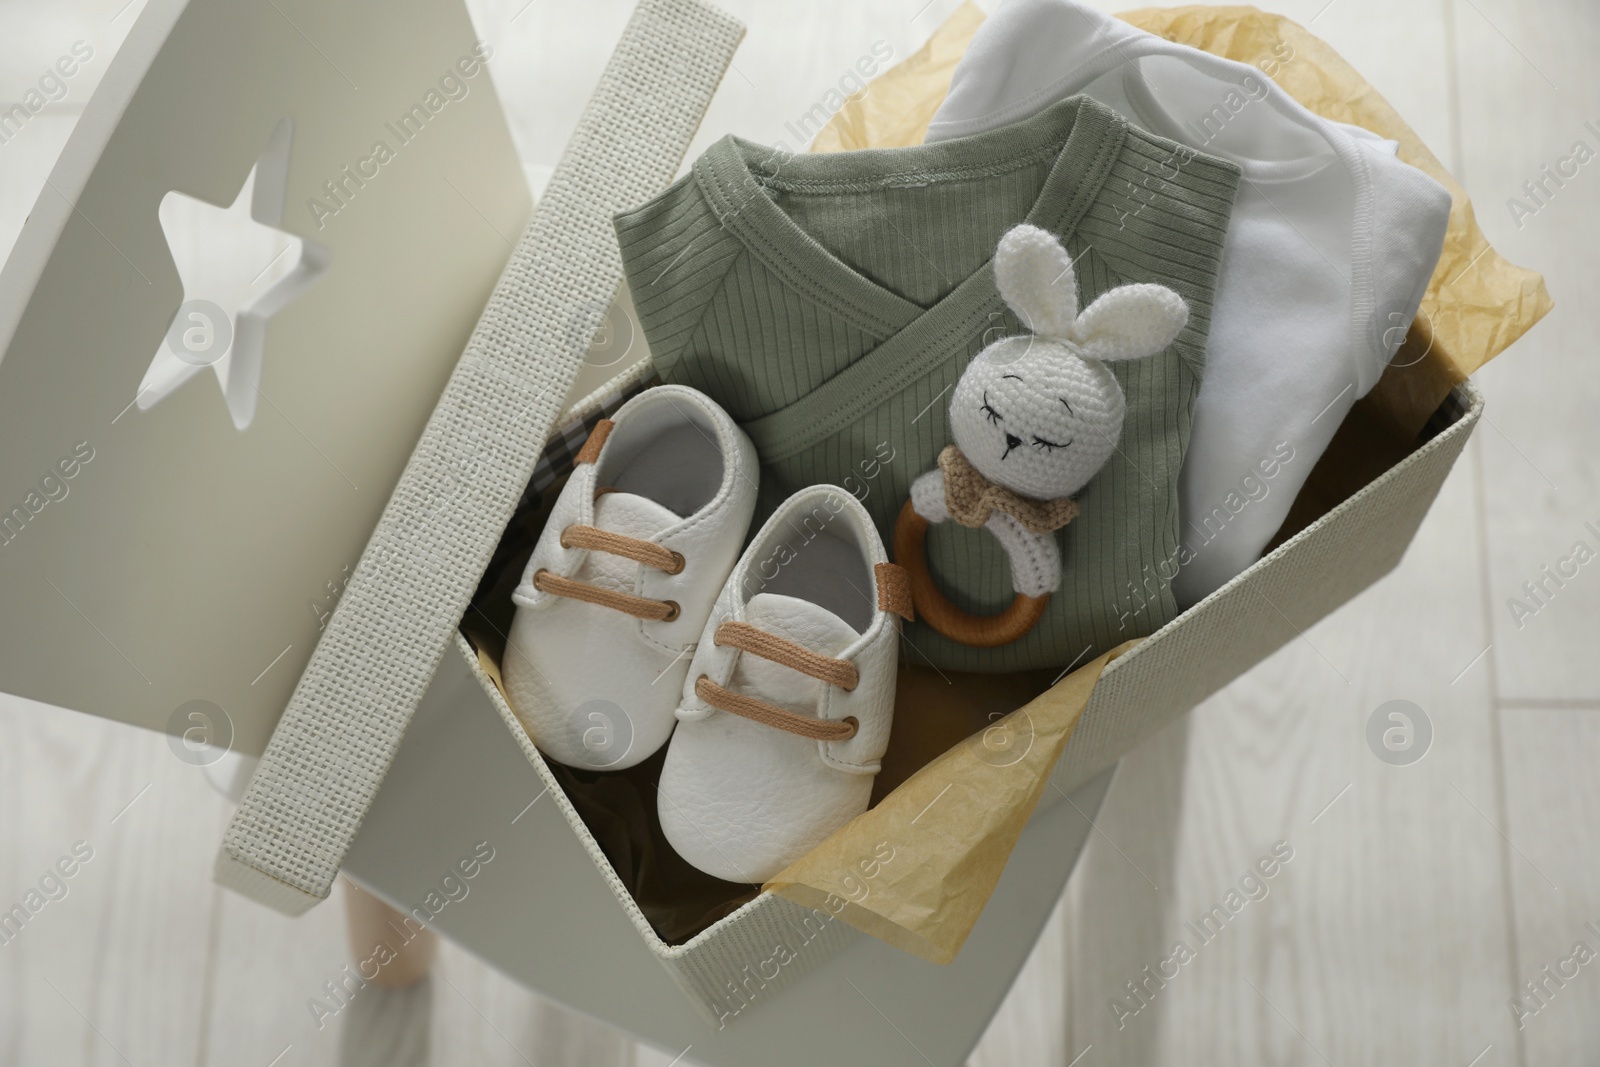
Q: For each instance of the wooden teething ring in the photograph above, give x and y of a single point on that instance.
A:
(977, 631)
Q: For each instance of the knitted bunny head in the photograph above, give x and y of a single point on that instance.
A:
(1040, 414)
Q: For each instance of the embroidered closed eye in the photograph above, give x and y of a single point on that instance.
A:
(994, 417)
(1048, 446)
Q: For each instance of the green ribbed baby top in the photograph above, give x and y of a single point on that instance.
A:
(830, 302)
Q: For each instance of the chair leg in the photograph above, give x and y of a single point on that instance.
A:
(386, 939)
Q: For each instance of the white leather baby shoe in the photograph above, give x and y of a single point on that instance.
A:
(786, 711)
(619, 587)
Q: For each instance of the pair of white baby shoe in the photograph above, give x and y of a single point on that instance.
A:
(638, 614)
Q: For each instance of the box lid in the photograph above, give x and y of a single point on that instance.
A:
(179, 510)
(427, 554)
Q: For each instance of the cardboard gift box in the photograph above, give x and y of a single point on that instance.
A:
(1374, 487)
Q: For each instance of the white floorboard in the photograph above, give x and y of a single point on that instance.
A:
(1554, 808)
(1533, 91)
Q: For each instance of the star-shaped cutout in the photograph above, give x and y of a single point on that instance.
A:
(238, 270)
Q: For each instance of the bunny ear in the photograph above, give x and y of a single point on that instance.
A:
(1035, 276)
(1130, 322)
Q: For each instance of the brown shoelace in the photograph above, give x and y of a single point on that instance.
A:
(595, 539)
(786, 653)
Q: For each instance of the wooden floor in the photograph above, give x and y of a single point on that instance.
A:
(1418, 900)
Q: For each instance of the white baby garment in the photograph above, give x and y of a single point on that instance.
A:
(1329, 250)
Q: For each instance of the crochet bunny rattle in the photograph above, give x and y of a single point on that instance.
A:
(1034, 417)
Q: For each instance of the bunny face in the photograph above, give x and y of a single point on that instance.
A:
(1041, 414)
(1035, 417)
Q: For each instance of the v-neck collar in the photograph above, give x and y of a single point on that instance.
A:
(734, 175)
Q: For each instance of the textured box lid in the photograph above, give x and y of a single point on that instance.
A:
(384, 641)
(187, 559)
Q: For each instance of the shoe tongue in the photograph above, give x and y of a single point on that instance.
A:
(623, 513)
(801, 621)
(628, 513)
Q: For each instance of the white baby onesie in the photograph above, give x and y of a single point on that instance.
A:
(1327, 256)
